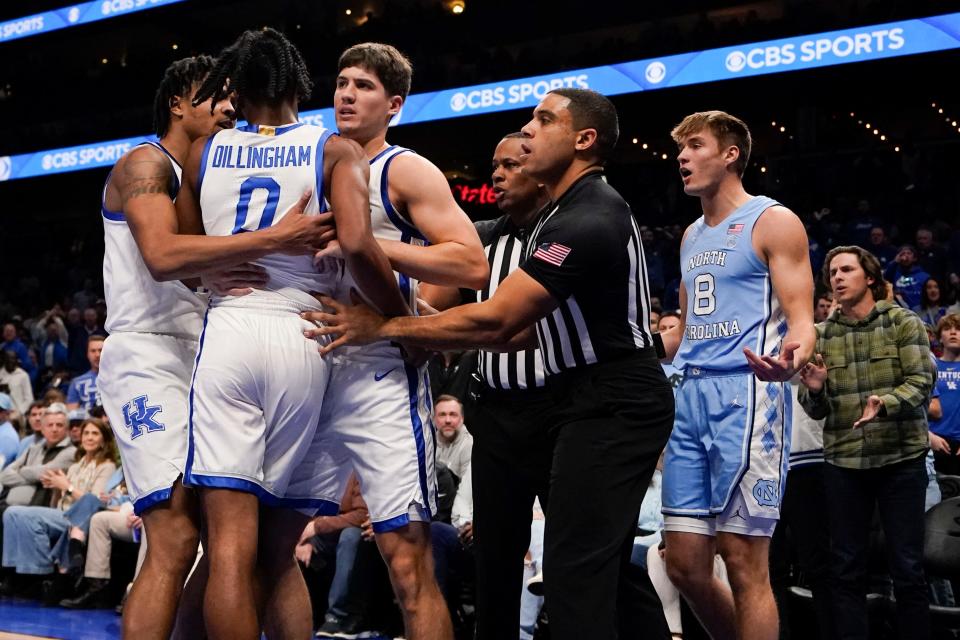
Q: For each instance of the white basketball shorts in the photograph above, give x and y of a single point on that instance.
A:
(254, 404)
(376, 421)
(144, 381)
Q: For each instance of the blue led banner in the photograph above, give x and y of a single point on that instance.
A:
(73, 16)
(939, 33)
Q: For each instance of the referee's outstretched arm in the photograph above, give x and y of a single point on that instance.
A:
(518, 303)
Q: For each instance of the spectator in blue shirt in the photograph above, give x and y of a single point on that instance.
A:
(80, 333)
(861, 224)
(945, 432)
(53, 350)
(33, 433)
(83, 392)
(9, 440)
(907, 277)
(880, 246)
(12, 343)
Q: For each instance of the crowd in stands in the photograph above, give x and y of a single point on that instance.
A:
(65, 513)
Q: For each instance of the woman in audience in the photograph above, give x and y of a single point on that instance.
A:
(933, 303)
(28, 531)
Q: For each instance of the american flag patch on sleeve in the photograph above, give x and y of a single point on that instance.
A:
(552, 252)
(735, 228)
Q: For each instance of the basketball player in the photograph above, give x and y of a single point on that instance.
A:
(258, 385)
(746, 326)
(377, 408)
(154, 322)
(583, 289)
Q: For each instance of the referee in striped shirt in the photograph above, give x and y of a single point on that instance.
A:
(509, 414)
(581, 296)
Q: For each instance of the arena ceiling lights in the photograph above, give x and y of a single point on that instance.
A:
(890, 40)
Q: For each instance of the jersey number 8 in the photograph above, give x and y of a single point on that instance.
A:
(704, 302)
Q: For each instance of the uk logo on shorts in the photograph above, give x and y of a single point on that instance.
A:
(138, 415)
(766, 494)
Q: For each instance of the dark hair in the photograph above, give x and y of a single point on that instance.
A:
(108, 451)
(262, 66)
(448, 398)
(729, 130)
(592, 110)
(869, 263)
(387, 62)
(36, 404)
(178, 81)
(669, 314)
(96, 337)
(925, 301)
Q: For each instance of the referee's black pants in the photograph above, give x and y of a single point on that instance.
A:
(512, 453)
(612, 422)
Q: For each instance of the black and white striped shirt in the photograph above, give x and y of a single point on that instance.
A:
(505, 245)
(586, 252)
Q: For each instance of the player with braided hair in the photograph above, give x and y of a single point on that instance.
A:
(154, 321)
(263, 67)
(258, 386)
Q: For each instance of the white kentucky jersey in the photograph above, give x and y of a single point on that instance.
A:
(249, 178)
(730, 299)
(387, 224)
(135, 301)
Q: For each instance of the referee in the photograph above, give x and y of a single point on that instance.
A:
(509, 415)
(581, 296)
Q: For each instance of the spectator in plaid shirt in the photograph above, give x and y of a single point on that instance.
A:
(871, 380)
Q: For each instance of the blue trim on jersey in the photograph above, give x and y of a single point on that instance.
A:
(211, 481)
(403, 280)
(380, 155)
(413, 384)
(392, 524)
(203, 164)
(153, 498)
(428, 396)
(156, 144)
(318, 167)
(278, 131)
(395, 218)
(113, 216)
(193, 379)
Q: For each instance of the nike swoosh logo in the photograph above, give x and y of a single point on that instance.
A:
(380, 376)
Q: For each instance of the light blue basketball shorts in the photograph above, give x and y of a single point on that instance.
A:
(730, 445)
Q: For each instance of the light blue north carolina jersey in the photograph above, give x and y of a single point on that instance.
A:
(249, 177)
(730, 301)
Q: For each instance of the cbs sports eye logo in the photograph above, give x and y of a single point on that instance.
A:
(856, 44)
(514, 93)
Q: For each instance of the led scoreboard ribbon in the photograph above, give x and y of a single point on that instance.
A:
(73, 16)
(895, 39)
